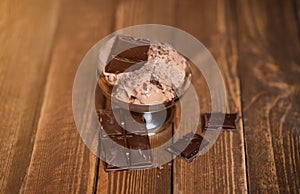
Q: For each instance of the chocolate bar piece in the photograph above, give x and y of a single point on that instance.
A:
(130, 47)
(188, 147)
(119, 65)
(215, 121)
(126, 152)
(124, 149)
(109, 122)
(140, 154)
(129, 122)
(125, 52)
(115, 152)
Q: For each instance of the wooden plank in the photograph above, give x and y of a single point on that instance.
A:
(297, 12)
(26, 33)
(130, 13)
(61, 162)
(270, 76)
(223, 168)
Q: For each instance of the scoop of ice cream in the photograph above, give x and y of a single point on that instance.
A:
(161, 80)
(156, 67)
(167, 54)
(151, 93)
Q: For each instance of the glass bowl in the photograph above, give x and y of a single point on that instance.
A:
(157, 116)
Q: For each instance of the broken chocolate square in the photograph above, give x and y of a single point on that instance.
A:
(214, 121)
(130, 48)
(126, 152)
(125, 52)
(188, 147)
(122, 149)
(115, 152)
(140, 153)
(109, 122)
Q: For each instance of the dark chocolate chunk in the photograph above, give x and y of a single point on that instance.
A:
(188, 147)
(129, 122)
(124, 149)
(109, 123)
(140, 153)
(130, 48)
(125, 52)
(126, 152)
(219, 120)
(155, 82)
(119, 65)
(115, 153)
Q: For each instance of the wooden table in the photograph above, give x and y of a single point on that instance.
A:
(255, 43)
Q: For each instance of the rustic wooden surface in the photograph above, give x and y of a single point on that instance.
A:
(269, 61)
(255, 43)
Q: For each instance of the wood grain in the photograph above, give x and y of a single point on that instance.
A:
(26, 35)
(255, 43)
(61, 162)
(270, 75)
(222, 169)
(296, 4)
(130, 13)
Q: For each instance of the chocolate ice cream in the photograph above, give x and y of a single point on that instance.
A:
(142, 72)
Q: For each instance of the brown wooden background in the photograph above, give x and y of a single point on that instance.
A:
(255, 42)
